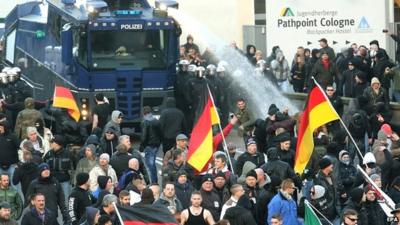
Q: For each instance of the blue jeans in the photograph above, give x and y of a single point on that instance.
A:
(150, 154)
(66, 187)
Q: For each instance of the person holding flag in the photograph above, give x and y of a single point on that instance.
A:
(203, 144)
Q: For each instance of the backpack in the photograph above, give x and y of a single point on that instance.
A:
(122, 181)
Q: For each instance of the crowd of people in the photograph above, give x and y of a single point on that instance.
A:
(51, 166)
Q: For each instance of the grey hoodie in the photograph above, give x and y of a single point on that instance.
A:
(114, 123)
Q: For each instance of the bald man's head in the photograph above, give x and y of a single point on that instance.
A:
(133, 164)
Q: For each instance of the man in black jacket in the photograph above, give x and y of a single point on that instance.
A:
(125, 152)
(80, 198)
(374, 212)
(39, 214)
(240, 214)
(9, 153)
(172, 123)
(52, 191)
(325, 178)
(278, 168)
(151, 140)
(60, 162)
(251, 155)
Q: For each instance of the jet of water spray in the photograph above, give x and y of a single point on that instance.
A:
(259, 92)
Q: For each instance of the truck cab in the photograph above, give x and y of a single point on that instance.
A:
(125, 49)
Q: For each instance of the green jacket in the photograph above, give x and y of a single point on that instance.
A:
(245, 119)
(11, 196)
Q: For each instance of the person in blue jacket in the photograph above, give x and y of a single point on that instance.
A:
(282, 204)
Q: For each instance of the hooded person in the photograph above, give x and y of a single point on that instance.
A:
(89, 161)
(250, 52)
(25, 172)
(370, 166)
(357, 197)
(276, 167)
(240, 214)
(247, 167)
(115, 122)
(347, 172)
(27, 118)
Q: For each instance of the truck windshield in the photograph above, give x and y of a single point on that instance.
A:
(142, 49)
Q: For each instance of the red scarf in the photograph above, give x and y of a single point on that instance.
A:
(325, 63)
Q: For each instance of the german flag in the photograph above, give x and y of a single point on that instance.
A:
(63, 98)
(318, 111)
(145, 215)
(201, 139)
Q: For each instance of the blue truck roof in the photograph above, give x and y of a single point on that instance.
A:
(80, 14)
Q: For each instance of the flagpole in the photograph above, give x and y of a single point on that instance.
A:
(388, 201)
(221, 131)
(316, 210)
(341, 121)
(118, 215)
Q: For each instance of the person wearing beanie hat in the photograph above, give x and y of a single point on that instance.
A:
(285, 152)
(251, 155)
(360, 84)
(5, 214)
(357, 197)
(375, 93)
(42, 167)
(183, 188)
(49, 189)
(61, 162)
(211, 199)
(349, 78)
(86, 164)
(347, 172)
(79, 199)
(100, 170)
(324, 163)
(105, 187)
(326, 179)
(251, 190)
(221, 187)
(272, 110)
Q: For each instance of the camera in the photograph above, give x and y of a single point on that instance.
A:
(231, 115)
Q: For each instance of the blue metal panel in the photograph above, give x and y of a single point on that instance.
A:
(103, 80)
(129, 88)
(82, 77)
(155, 79)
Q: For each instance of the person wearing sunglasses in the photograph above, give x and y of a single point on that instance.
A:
(350, 217)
